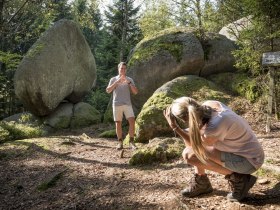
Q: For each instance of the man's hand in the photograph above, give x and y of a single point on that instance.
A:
(170, 118)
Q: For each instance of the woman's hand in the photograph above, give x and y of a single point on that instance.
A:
(170, 118)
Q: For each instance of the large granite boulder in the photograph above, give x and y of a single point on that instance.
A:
(173, 53)
(232, 30)
(162, 58)
(150, 122)
(84, 115)
(58, 66)
(68, 115)
(61, 117)
(218, 55)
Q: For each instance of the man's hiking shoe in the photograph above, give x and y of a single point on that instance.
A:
(132, 146)
(199, 184)
(120, 145)
(240, 185)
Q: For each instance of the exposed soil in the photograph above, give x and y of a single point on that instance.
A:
(87, 172)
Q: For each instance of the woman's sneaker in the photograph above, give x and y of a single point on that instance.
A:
(199, 184)
(240, 185)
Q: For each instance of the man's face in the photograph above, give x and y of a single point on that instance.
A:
(122, 69)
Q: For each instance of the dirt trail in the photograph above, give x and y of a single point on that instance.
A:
(86, 172)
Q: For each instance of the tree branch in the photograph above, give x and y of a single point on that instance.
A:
(18, 11)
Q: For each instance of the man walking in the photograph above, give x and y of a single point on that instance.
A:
(121, 86)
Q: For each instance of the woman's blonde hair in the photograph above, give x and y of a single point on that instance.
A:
(188, 108)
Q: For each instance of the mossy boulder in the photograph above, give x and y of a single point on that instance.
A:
(84, 115)
(68, 115)
(176, 52)
(151, 123)
(61, 117)
(158, 150)
(239, 84)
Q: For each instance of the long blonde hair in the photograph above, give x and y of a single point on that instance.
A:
(188, 108)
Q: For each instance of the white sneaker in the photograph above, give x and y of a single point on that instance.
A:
(119, 146)
(133, 146)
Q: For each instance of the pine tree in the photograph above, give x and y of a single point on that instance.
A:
(122, 25)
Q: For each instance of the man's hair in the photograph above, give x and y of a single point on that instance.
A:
(121, 63)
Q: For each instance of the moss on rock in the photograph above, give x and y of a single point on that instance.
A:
(151, 123)
(63, 122)
(238, 83)
(85, 115)
(108, 134)
(158, 150)
(14, 131)
(37, 48)
(166, 40)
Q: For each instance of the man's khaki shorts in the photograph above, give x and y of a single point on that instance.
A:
(119, 111)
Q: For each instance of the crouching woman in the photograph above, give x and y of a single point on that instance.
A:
(219, 140)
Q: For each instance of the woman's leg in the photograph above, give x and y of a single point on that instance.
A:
(214, 162)
(239, 182)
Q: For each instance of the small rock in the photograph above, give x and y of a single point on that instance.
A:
(263, 181)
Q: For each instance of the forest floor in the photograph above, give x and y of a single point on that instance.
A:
(78, 170)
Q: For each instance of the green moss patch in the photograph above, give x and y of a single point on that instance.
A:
(14, 131)
(158, 150)
(238, 84)
(166, 41)
(108, 134)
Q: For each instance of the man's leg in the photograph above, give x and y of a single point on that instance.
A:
(119, 129)
(119, 134)
(131, 130)
(129, 114)
(118, 115)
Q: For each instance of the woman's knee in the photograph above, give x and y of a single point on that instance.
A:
(188, 155)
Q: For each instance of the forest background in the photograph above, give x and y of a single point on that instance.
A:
(112, 29)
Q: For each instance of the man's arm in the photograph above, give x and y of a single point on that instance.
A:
(112, 85)
(133, 88)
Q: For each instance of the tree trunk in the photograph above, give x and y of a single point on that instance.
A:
(124, 30)
(199, 17)
(2, 2)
